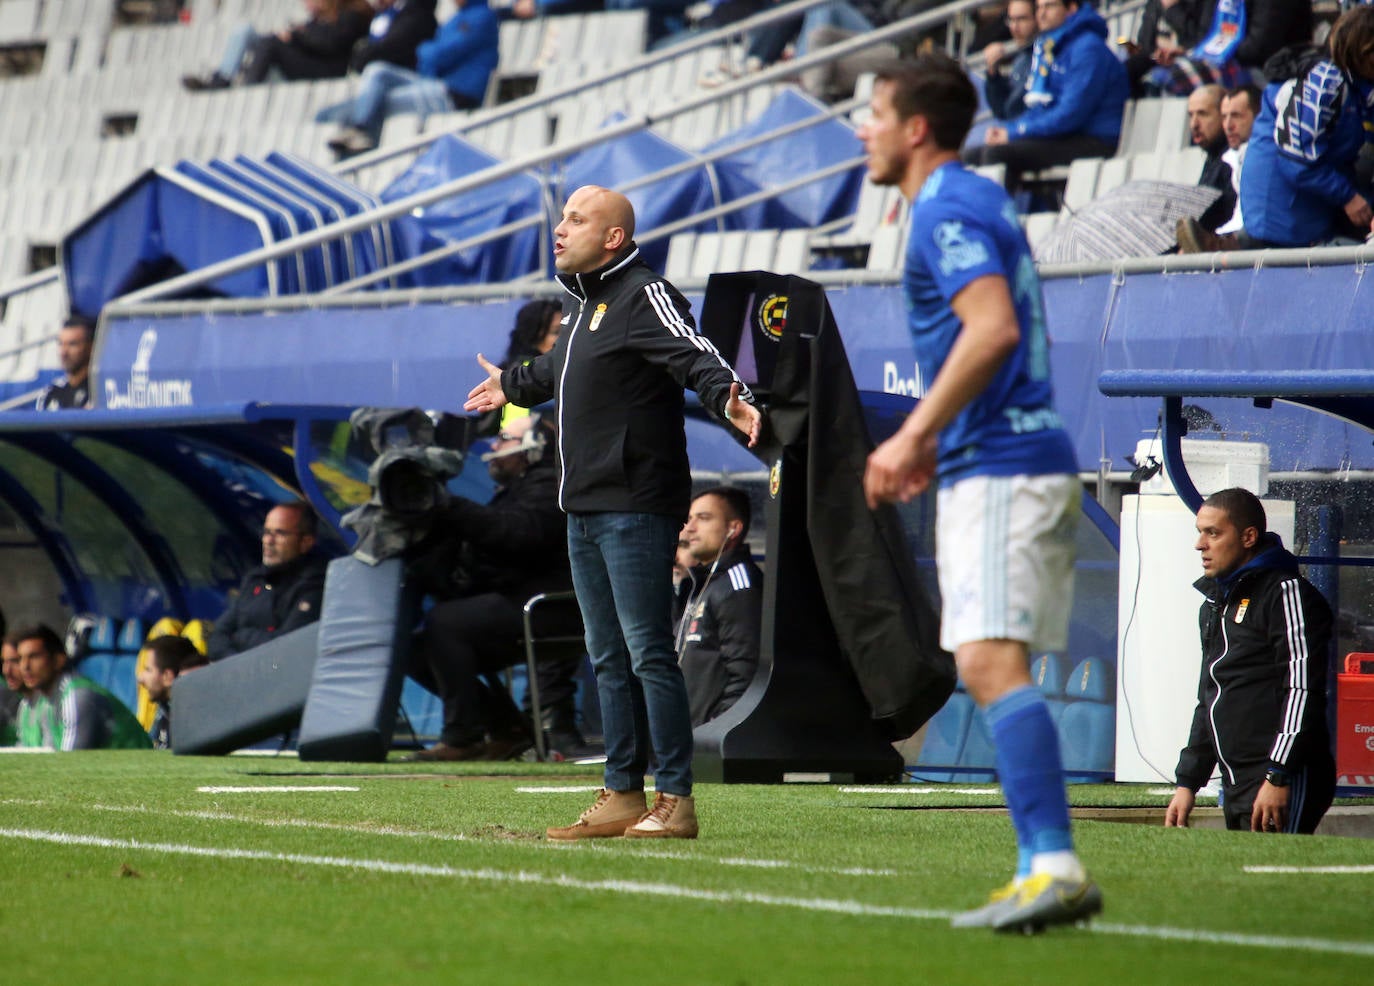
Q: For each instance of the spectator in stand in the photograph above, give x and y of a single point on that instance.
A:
(1299, 186)
(1164, 34)
(832, 23)
(168, 658)
(319, 48)
(452, 72)
(840, 19)
(282, 594)
(1074, 98)
(1238, 109)
(1213, 41)
(1205, 129)
(398, 28)
(719, 604)
(495, 557)
(1008, 65)
(65, 711)
(73, 389)
(524, 10)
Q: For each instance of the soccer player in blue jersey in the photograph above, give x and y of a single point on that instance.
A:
(986, 432)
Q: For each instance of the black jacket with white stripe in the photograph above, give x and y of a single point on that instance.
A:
(627, 349)
(1262, 692)
(718, 614)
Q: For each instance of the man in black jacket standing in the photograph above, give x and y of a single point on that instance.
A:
(1261, 712)
(628, 348)
(720, 604)
(280, 595)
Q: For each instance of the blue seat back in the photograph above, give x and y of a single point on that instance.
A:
(131, 636)
(947, 732)
(1092, 680)
(1047, 671)
(104, 636)
(1087, 737)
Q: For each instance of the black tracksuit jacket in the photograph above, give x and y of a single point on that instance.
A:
(627, 349)
(717, 615)
(1262, 691)
(270, 602)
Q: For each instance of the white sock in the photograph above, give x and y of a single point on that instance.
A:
(1062, 864)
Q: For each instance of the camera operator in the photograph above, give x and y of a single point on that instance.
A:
(492, 559)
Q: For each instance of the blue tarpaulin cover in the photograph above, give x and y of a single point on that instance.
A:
(464, 216)
(786, 159)
(159, 226)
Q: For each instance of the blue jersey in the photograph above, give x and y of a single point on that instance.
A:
(963, 227)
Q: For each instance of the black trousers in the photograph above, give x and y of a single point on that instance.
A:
(463, 644)
(1036, 153)
(1310, 794)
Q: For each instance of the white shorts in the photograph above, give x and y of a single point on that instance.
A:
(1004, 548)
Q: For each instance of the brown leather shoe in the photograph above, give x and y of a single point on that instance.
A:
(670, 818)
(442, 752)
(609, 817)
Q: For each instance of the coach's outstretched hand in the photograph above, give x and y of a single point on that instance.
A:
(487, 395)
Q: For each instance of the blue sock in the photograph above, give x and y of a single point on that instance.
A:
(1031, 773)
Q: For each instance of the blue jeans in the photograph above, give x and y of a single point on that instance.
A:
(387, 90)
(622, 569)
(236, 50)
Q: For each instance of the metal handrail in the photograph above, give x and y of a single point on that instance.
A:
(485, 117)
(499, 171)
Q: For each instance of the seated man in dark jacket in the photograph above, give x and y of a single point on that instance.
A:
(1009, 65)
(398, 27)
(1073, 101)
(494, 558)
(280, 595)
(719, 604)
(318, 48)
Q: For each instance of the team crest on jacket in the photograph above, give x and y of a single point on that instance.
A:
(597, 316)
(775, 479)
(773, 316)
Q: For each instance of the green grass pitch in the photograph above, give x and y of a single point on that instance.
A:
(144, 868)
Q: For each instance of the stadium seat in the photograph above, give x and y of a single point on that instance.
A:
(424, 711)
(98, 667)
(104, 636)
(131, 635)
(123, 679)
(1087, 737)
(198, 633)
(1047, 671)
(947, 732)
(1091, 680)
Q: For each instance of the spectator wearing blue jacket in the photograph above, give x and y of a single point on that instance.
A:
(1074, 97)
(1299, 186)
(452, 71)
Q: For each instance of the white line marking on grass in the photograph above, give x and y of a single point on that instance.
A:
(272, 788)
(912, 789)
(821, 904)
(1235, 938)
(301, 823)
(485, 875)
(1309, 869)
